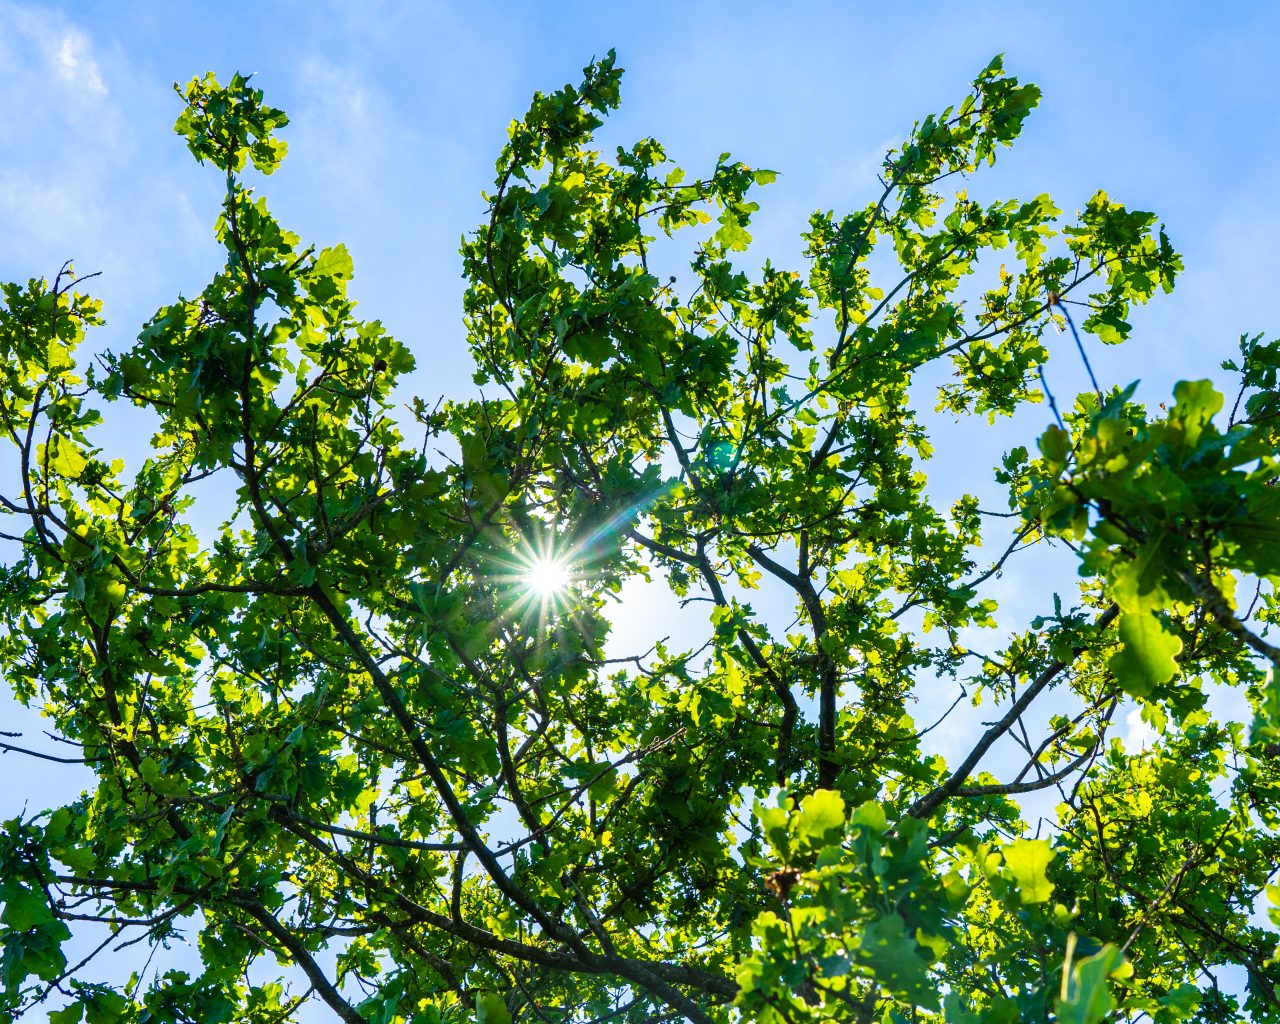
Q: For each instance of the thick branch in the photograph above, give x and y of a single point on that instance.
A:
(828, 676)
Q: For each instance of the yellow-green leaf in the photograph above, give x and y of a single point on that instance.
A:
(1027, 860)
(820, 812)
(67, 461)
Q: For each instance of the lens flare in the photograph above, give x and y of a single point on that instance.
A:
(547, 577)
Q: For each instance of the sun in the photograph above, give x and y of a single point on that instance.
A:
(547, 577)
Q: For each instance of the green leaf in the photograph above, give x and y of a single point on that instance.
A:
(1027, 860)
(104, 1007)
(68, 462)
(871, 815)
(774, 821)
(334, 262)
(891, 954)
(491, 1009)
(1135, 583)
(1182, 1001)
(68, 1014)
(1266, 719)
(731, 234)
(1197, 403)
(1055, 443)
(1148, 658)
(1086, 992)
(820, 812)
(25, 908)
(593, 346)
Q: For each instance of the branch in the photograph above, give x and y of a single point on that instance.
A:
(1217, 606)
(7, 747)
(656, 976)
(298, 950)
(828, 679)
(461, 820)
(927, 804)
(1011, 788)
(370, 837)
(790, 707)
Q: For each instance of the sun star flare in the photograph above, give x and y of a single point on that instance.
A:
(547, 577)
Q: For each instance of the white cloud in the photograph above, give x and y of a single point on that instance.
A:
(337, 89)
(76, 65)
(342, 128)
(42, 49)
(89, 171)
(1138, 732)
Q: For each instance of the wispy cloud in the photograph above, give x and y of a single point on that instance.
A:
(75, 64)
(344, 127)
(80, 176)
(49, 55)
(60, 135)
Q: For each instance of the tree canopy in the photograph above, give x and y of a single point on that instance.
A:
(367, 743)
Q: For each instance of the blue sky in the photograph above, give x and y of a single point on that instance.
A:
(399, 109)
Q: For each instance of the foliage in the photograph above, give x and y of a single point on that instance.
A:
(340, 732)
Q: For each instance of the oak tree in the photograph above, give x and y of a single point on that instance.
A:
(368, 743)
